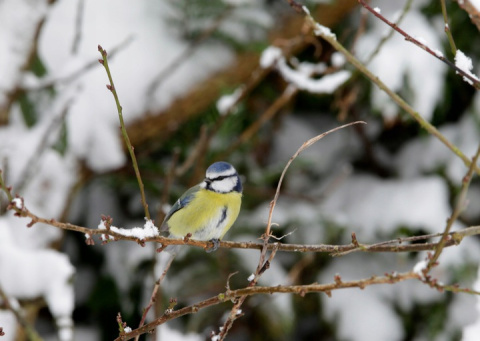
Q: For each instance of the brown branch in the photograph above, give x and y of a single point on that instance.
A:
(456, 212)
(325, 33)
(472, 11)
(254, 290)
(262, 266)
(30, 331)
(454, 239)
(409, 38)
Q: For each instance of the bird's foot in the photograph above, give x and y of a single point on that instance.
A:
(216, 244)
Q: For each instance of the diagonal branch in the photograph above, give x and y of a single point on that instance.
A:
(409, 38)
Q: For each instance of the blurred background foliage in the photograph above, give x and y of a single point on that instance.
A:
(201, 275)
(211, 136)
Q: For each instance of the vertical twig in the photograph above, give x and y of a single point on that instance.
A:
(111, 87)
(304, 146)
(447, 28)
(78, 26)
(456, 212)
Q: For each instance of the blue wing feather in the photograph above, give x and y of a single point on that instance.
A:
(179, 204)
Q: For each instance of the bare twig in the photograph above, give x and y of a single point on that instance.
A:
(111, 87)
(324, 33)
(292, 289)
(460, 205)
(301, 149)
(405, 10)
(48, 82)
(262, 266)
(153, 296)
(288, 94)
(456, 237)
(31, 165)
(78, 25)
(169, 69)
(472, 10)
(447, 28)
(29, 330)
(409, 38)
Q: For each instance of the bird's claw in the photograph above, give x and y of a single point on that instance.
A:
(216, 244)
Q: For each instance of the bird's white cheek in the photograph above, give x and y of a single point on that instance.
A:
(225, 185)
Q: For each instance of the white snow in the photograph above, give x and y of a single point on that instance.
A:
(464, 63)
(369, 205)
(36, 273)
(378, 10)
(399, 60)
(165, 332)
(226, 102)
(270, 56)
(18, 203)
(438, 53)
(476, 4)
(324, 31)
(471, 332)
(147, 231)
(419, 267)
(302, 80)
(16, 39)
(338, 59)
(306, 10)
(421, 40)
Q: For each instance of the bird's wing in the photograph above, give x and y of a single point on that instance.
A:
(179, 204)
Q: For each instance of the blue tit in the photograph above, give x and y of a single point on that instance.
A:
(209, 209)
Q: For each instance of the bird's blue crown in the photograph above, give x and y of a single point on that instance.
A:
(222, 170)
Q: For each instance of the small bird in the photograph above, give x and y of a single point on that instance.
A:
(209, 209)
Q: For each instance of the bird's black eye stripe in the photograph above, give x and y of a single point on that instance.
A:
(219, 178)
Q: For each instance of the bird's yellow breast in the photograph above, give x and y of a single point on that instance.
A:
(209, 215)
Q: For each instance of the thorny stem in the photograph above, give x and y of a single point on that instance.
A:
(111, 87)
